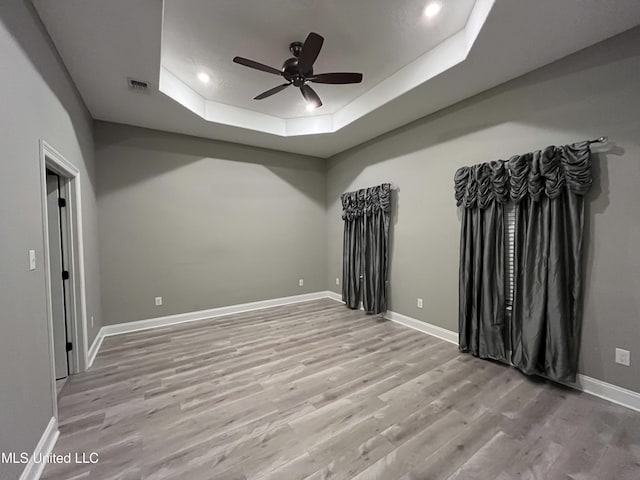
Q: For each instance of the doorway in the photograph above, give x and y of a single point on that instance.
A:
(63, 266)
(57, 224)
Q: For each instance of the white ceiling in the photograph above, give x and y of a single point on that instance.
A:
(204, 36)
(104, 42)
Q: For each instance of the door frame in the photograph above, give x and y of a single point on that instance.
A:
(51, 159)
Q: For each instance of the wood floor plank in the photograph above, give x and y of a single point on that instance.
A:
(318, 392)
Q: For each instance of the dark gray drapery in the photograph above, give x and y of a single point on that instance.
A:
(543, 330)
(482, 306)
(365, 249)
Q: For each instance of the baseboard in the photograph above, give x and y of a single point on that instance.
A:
(138, 325)
(424, 327)
(607, 391)
(34, 468)
(95, 346)
(334, 296)
(592, 386)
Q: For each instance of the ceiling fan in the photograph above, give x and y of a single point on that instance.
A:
(297, 71)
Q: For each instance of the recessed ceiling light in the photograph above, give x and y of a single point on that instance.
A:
(204, 78)
(432, 9)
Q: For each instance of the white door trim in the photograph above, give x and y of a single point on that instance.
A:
(51, 159)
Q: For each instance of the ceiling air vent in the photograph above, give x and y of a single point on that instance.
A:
(138, 85)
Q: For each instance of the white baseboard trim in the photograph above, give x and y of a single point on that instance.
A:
(95, 346)
(135, 326)
(607, 391)
(138, 325)
(334, 296)
(424, 327)
(592, 386)
(34, 468)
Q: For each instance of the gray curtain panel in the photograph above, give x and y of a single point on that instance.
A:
(352, 215)
(365, 253)
(482, 283)
(548, 188)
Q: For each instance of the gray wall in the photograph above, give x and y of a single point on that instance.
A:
(203, 224)
(594, 92)
(38, 102)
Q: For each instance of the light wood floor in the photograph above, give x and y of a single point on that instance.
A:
(315, 391)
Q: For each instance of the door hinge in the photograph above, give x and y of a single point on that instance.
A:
(65, 275)
(62, 202)
(69, 346)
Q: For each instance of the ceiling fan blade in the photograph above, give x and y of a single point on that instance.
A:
(258, 66)
(310, 96)
(336, 78)
(310, 51)
(273, 91)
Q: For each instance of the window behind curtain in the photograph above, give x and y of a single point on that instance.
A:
(510, 214)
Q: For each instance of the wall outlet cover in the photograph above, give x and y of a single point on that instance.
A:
(301, 282)
(623, 357)
(419, 303)
(337, 281)
(158, 301)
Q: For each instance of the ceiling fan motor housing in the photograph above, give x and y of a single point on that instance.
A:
(292, 74)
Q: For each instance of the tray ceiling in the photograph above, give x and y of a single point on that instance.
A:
(375, 37)
(412, 65)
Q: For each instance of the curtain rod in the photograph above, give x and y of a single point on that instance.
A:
(602, 139)
(392, 186)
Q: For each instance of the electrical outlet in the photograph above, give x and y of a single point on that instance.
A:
(419, 303)
(623, 357)
(301, 282)
(158, 301)
(91, 321)
(32, 259)
(337, 281)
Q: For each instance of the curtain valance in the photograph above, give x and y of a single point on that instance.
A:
(544, 172)
(366, 201)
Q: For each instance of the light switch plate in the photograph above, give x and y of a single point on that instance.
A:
(623, 357)
(32, 259)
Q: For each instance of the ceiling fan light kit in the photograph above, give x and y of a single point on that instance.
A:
(298, 71)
